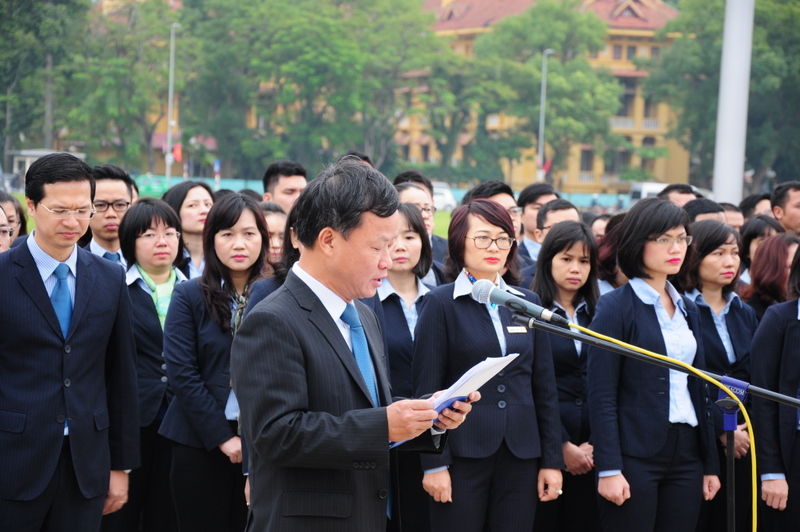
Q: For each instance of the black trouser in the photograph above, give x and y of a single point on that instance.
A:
(666, 489)
(149, 507)
(61, 507)
(208, 490)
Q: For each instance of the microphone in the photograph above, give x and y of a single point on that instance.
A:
(484, 291)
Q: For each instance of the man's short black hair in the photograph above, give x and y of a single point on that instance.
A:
(730, 207)
(414, 176)
(252, 193)
(532, 193)
(748, 204)
(278, 169)
(781, 193)
(487, 190)
(701, 206)
(547, 208)
(338, 197)
(680, 188)
(56, 167)
(111, 171)
(647, 219)
(361, 155)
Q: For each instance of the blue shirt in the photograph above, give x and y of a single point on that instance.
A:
(573, 319)
(719, 319)
(411, 313)
(533, 247)
(47, 267)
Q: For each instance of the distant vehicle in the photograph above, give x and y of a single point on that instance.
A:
(651, 190)
(443, 197)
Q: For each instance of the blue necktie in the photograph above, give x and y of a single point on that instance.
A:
(361, 350)
(113, 257)
(61, 299)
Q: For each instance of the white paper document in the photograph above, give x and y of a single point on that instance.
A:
(472, 380)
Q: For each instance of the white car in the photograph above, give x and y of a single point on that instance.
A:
(443, 197)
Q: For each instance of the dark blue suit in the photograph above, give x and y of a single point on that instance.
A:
(89, 377)
(515, 422)
(440, 250)
(205, 485)
(776, 366)
(629, 401)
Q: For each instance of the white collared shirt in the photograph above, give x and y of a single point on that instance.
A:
(573, 319)
(411, 314)
(334, 304)
(133, 275)
(99, 250)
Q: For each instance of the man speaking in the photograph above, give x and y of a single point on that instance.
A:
(309, 370)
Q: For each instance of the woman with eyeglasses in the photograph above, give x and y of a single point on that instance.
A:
(566, 281)
(150, 242)
(508, 456)
(202, 419)
(652, 429)
(16, 217)
(192, 200)
(708, 277)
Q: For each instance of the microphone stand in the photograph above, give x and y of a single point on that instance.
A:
(728, 406)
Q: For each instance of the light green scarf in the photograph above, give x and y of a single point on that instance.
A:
(162, 293)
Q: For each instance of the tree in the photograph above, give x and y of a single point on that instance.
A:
(687, 76)
(580, 99)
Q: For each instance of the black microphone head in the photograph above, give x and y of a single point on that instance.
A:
(481, 290)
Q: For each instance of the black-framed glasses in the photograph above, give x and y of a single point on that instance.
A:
(118, 206)
(63, 214)
(485, 242)
(426, 210)
(667, 242)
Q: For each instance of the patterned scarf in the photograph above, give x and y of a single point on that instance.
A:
(162, 293)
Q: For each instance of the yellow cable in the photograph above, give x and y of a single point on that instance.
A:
(709, 379)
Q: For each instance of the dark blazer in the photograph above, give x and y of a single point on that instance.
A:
(741, 322)
(440, 250)
(629, 399)
(151, 369)
(89, 377)
(758, 306)
(198, 354)
(400, 345)
(518, 406)
(527, 274)
(776, 366)
(319, 451)
(570, 372)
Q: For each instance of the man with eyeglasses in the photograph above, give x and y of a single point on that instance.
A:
(112, 198)
(69, 408)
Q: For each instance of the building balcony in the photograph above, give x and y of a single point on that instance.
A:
(650, 123)
(586, 177)
(622, 122)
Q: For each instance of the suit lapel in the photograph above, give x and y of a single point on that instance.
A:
(321, 319)
(31, 281)
(375, 342)
(83, 289)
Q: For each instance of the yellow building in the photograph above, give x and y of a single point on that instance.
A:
(632, 25)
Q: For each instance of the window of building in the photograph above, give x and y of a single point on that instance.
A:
(628, 96)
(426, 153)
(617, 51)
(650, 108)
(655, 51)
(587, 160)
(631, 52)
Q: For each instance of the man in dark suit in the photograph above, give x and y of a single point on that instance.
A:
(68, 405)
(309, 369)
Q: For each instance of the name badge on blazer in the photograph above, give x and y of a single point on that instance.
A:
(516, 329)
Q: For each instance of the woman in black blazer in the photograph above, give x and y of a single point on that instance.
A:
(509, 455)
(651, 427)
(775, 365)
(567, 284)
(191, 200)
(708, 277)
(202, 419)
(150, 241)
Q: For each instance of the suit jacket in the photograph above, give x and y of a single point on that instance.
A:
(88, 377)
(776, 366)
(319, 456)
(151, 368)
(518, 406)
(629, 399)
(741, 323)
(198, 354)
(440, 250)
(400, 345)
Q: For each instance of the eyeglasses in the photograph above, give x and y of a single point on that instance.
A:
(484, 242)
(118, 206)
(514, 211)
(169, 236)
(63, 214)
(426, 210)
(6, 232)
(667, 242)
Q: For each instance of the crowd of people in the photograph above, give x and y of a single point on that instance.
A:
(229, 360)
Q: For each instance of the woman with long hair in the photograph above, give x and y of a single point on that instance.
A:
(651, 428)
(775, 366)
(191, 200)
(202, 419)
(566, 281)
(769, 272)
(508, 456)
(609, 276)
(754, 232)
(150, 241)
(708, 277)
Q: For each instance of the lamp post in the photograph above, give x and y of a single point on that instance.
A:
(540, 174)
(168, 157)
